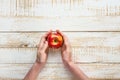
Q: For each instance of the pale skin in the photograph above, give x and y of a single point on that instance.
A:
(42, 55)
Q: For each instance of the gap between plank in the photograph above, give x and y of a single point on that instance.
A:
(74, 62)
(53, 31)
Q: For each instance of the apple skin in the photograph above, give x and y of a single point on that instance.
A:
(55, 40)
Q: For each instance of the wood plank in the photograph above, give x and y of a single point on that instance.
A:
(79, 55)
(107, 23)
(86, 46)
(59, 72)
(59, 7)
(77, 39)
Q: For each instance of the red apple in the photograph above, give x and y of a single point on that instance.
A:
(55, 40)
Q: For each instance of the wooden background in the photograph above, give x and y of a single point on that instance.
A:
(93, 27)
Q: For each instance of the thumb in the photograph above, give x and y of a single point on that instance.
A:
(45, 46)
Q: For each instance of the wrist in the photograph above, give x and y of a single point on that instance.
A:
(41, 60)
(40, 63)
(67, 63)
(70, 63)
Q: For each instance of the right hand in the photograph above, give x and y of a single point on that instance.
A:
(65, 49)
(42, 52)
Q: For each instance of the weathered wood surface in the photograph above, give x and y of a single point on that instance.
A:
(93, 27)
(79, 55)
(59, 72)
(77, 39)
(59, 7)
(86, 46)
(106, 23)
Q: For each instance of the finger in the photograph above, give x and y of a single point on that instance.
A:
(43, 38)
(58, 31)
(47, 33)
(66, 41)
(64, 36)
(45, 46)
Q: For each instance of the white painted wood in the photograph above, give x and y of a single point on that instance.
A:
(79, 55)
(107, 23)
(77, 39)
(59, 72)
(86, 46)
(22, 22)
(59, 8)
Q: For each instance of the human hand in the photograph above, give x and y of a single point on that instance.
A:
(66, 57)
(42, 54)
(65, 49)
(42, 51)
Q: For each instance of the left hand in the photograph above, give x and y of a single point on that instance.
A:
(42, 51)
(66, 49)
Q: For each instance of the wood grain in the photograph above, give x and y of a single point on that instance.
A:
(86, 46)
(59, 72)
(17, 24)
(79, 55)
(59, 7)
(93, 28)
(77, 39)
